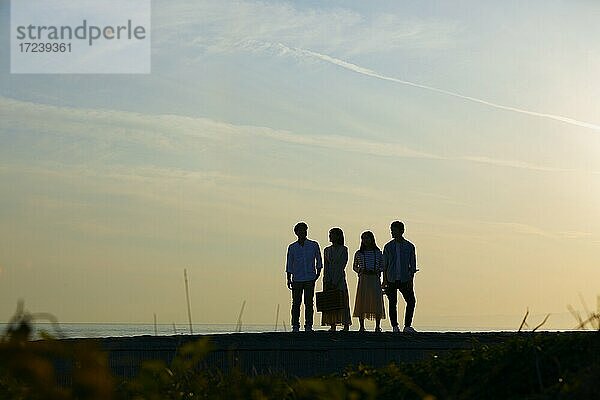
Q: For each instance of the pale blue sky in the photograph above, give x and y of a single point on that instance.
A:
(112, 184)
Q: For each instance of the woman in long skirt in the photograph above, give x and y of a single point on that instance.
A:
(335, 259)
(368, 264)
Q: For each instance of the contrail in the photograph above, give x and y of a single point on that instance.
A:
(368, 72)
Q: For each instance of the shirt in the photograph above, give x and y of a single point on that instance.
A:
(335, 259)
(400, 260)
(397, 245)
(370, 260)
(304, 261)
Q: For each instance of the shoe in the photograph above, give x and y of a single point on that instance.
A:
(332, 329)
(396, 329)
(295, 329)
(409, 329)
(378, 330)
(308, 329)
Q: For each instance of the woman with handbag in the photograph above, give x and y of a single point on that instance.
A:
(335, 259)
(368, 264)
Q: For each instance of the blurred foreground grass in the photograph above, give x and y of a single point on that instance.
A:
(528, 366)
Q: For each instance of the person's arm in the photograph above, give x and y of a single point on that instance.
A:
(341, 272)
(355, 264)
(289, 267)
(386, 262)
(319, 265)
(413, 260)
(326, 270)
(345, 257)
(380, 262)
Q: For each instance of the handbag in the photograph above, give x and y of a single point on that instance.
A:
(330, 300)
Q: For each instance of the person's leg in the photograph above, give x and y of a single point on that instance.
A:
(392, 295)
(347, 320)
(408, 293)
(309, 294)
(296, 300)
(361, 320)
(378, 324)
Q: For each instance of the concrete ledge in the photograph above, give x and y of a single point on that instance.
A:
(296, 354)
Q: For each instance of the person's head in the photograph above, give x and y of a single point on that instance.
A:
(397, 229)
(301, 230)
(367, 241)
(336, 236)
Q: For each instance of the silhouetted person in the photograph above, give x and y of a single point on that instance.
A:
(368, 263)
(335, 259)
(303, 267)
(400, 266)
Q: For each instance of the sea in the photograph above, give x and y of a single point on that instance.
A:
(99, 330)
(96, 330)
(488, 323)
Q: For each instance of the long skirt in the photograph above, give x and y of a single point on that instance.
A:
(369, 298)
(339, 317)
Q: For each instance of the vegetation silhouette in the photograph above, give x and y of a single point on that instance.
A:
(530, 365)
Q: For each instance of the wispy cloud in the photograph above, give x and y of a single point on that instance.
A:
(368, 72)
(522, 228)
(476, 228)
(345, 143)
(132, 178)
(391, 149)
(575, 234)
(512, 164)
(170, 132)
(526, 229)
(223, 26)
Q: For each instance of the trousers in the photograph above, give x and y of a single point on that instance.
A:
(298, 289)
(407, 290)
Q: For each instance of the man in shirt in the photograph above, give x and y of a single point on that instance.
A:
(303, 268)
(399, 268)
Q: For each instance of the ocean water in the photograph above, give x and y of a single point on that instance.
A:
(441, 324)
(98, 330)
(95, 330)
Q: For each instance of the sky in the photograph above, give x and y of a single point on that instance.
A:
(475, 123)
